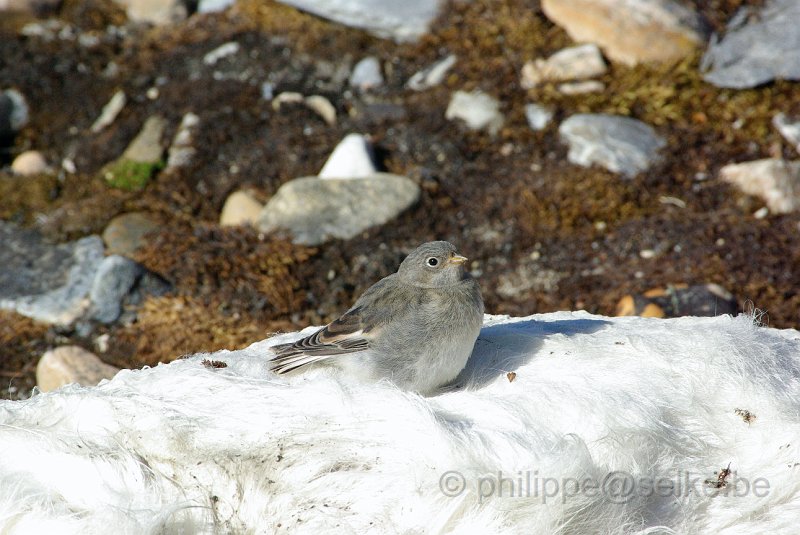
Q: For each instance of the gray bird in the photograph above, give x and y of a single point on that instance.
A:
(416, 327)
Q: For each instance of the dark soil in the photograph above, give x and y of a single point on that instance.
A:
(510, 202)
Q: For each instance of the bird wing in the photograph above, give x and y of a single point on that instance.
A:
(350, 333)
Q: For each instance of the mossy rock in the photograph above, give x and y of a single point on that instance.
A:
(130, 175)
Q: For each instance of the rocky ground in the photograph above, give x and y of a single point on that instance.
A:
(548, 223)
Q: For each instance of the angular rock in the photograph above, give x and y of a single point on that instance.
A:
(14, 112)
(352, 158)
(479, 110)
(620, 144)
(125, 233)
(240, 208)
(71, 364)
(401, 21)
(367, 74)
(110, 111)
(315, 210)
(631, 31)
(214, 6)
(574, 63)
(146, 147)
(776, 181)
(789, 129)
(538, 116)
(433, 75)
(158, 12)
(115, 278)
(756, 49)
(49, 283)
(132, 171)
(30, 162)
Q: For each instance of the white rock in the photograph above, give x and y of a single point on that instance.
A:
(158, 12)
(222, 51)
(402, 21)
(182, 151)
(538, 116)
(240, 209)
(352, 158)
(620, 144)
(367, 74)
(30, 162)
(214, 6)
(146, 147)
(323, 107)
(110, 111)
(14, 112)
(479, 110)
(433, 75)
(790, 130)
(71, 364)
(581, 88)
(776, 181)
(574, 63)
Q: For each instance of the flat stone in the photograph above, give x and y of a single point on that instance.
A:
(620, 144)
(433, 75)
(756, 49)
(581, 88)
(574, 63)
(477, 109)
(367, 74)
(71, 364)
(315, 211)
(115, 278)
(110, 111)
(48, 283)
(789, 129)
(352, 158)
(538, 116)
(240, 208)
(631, 31)
(30, 162)
(214, 6)
(776, 181)
(125, 233)
(182, 151)
(401, 21)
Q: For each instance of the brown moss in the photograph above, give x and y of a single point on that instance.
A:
(22, 197)
(22, 342)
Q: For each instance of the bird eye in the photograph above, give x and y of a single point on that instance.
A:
(432, 261)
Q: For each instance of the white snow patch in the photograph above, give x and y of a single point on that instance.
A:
(596, 404)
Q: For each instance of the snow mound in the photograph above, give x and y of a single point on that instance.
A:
(616, 425)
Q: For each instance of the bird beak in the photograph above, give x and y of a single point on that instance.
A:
(458, 259)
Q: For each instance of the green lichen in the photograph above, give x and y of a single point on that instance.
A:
(130, 175)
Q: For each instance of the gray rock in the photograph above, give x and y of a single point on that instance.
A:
(14, 112)
(352, 158)
(114, 280)
(433, 75)
(49, 283)
(620, 144)
(125, 233)
(756, 50)
(401, 21)
(71, 364)
(182, 151)
(316, 210)
(538, 116)
(146, 147)
(789, 129)
(631, 31)
(223, 51)
(479, 110)
(367, 74)
(776, 181)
